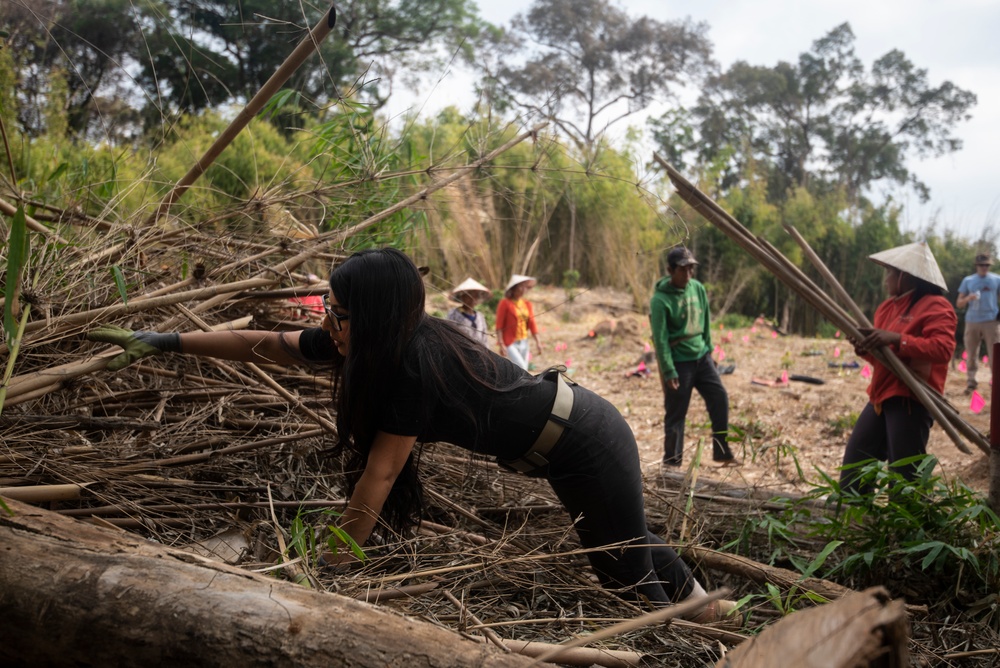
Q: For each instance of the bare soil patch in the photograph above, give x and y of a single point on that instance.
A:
(782, 430)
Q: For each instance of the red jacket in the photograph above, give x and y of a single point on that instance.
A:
(926, 346)
(507, 320)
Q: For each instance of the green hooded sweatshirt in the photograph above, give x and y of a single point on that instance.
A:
(680, 317)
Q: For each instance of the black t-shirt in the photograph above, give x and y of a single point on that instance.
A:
(502, 423)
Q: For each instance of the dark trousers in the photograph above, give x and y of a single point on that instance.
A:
(595, 471)
(698, 375)
(900, 431)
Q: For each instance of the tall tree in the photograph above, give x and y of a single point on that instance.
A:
(590, 65)
(826, 121)
(85, 42)
(205, 52)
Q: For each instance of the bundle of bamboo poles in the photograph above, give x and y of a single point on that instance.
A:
(849, 321)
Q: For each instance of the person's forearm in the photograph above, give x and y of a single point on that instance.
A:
(243, 346)
(364, 507)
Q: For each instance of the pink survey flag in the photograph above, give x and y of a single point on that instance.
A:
(722, 354)
(986, 360)
(753, 330)
(961, 367)
(718, 348)
(784, 377)
(866, 372)
(836, 352)
(836, 334)
(976, 403)
(965, 354)
(746, 338)
(774, 334)
(569, 362)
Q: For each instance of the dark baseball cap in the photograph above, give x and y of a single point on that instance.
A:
(983, 258)
(680, 257)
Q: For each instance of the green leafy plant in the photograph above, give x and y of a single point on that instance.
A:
(923, 531)
(304, 537)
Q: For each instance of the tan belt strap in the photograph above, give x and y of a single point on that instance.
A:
(537, 454)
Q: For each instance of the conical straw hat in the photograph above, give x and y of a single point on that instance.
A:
(469, 285)
(517, 279)
(915, 259)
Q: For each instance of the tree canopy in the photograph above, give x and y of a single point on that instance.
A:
(586, 64)
(823, 122)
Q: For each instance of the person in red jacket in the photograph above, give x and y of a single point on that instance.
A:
(918, 324)
(515, 320)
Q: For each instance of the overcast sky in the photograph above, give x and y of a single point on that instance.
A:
(954, 40)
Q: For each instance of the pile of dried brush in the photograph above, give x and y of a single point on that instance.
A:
(232, 460)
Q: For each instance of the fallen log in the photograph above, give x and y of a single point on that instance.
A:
(862, 630)
(77, 594)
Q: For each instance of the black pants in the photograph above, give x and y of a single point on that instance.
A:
(901, 431)
(594, 470)
(698, 375)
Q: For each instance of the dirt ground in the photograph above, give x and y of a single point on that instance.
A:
(783, 430)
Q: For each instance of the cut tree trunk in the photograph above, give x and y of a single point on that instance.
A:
(862, 630)
(75, 594)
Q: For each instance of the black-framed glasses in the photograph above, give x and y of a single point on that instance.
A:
(335, 318)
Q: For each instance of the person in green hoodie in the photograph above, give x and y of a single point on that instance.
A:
(682, 336)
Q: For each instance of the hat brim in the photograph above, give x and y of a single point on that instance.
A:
(481, 295)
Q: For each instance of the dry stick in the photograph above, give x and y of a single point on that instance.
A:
(104, 511)
(10, 210)
(268, 381)
(64, 322)
(489, 633)
(267, 91)
(184, 460)
(768, 255)
(43, 493)
(890, 357)
(684, 608)
(578, 656)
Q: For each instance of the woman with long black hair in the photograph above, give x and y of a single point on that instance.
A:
(918, 324)
(403, 377)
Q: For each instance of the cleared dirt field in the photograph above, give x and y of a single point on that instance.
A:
(782, 430)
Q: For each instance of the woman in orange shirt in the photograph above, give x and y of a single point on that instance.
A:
(918, 324)
(515, 319)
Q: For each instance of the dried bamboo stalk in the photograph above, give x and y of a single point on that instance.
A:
(10, 210)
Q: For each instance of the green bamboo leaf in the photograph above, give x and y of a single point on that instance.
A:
(821, 557)
(17, 255)
(116, 271)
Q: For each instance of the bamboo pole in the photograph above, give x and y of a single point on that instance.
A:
(10, 210)
(788, 274)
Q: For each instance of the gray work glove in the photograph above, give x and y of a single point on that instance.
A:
(136, 344)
